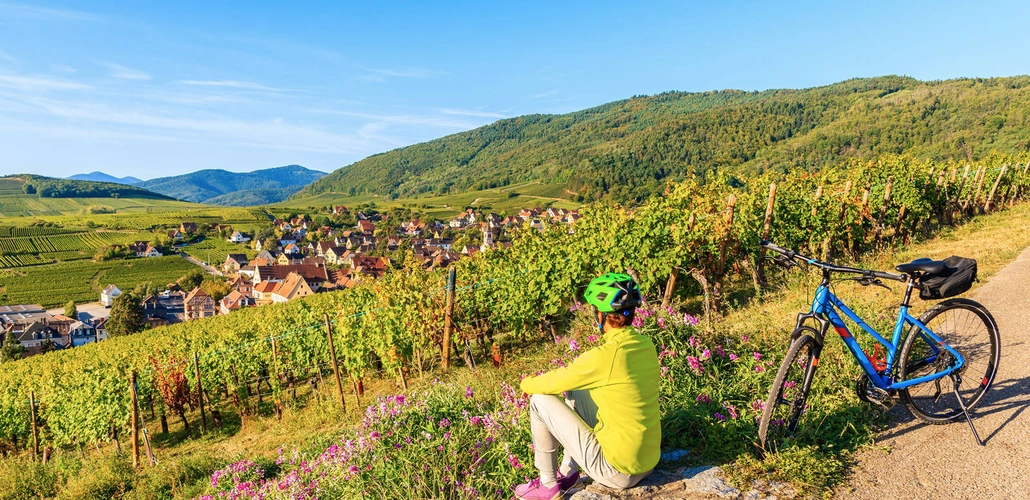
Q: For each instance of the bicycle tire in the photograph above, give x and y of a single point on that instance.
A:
(969, 328)
(780, 416)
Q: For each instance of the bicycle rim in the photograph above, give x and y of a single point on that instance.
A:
(969, 329)
(785, 404)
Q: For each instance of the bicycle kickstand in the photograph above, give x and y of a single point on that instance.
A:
(956, 379)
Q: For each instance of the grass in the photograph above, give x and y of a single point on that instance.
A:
(52, 285)
(837, 426)
(508, 199)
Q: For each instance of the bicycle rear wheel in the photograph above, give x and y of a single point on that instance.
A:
(968, 327)
(786, 401)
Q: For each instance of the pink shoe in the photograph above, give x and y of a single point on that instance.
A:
(534, 490)
(567, 482)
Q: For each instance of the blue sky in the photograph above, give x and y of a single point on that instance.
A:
(166, 88)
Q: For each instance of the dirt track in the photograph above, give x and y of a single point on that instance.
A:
(943, 461)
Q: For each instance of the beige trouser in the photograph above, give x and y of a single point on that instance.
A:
(571, 423)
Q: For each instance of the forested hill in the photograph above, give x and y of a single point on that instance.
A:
(221, 187)
(629, 149)
(49, 187)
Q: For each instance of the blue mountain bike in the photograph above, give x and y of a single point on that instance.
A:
(957, 339)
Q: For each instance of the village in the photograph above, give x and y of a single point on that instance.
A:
(295, 258)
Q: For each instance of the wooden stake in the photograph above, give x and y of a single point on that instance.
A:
(200, 392)
(990, 198)
(134, 419)
(883, 209)
(766, 227)
(336, 366)
(818, 194)
(35, 430)
(669, 287)
(731, 204)
(981, 173)
(448, 324)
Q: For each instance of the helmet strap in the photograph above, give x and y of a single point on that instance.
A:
(600, 326)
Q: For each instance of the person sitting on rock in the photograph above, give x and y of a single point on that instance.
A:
(608, 424)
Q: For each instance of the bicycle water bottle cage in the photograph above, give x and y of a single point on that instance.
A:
(878, 359)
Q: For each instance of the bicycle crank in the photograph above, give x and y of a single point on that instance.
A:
(872, 394)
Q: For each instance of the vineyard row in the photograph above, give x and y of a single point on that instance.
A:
(696, 233)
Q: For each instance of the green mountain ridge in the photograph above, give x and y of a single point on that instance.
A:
(626, 150)
(49, 187)
(221, 187)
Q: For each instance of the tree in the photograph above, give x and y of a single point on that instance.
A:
(12, 349)
(216, 287)
(191, 280)
(70, 310)
(145, 289)
(126, 315)
(47, 346)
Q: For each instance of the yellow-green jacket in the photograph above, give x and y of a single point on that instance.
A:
(622, 376)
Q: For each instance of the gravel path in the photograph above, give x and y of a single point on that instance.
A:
(943, 461)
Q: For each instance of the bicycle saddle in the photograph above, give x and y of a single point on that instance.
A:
(925, 265)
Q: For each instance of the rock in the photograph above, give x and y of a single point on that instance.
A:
(705, 482)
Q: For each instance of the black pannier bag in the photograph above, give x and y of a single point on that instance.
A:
(958, 276)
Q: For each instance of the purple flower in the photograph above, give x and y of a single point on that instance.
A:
(444, 422)
(744, 338)
(692, 341)
(469, 393)
(757, 355)
(706, 354)
(514, 461)
(720, 416)
(759, 369)
(701, 398)
(592, 338)
(733, 357)
(476, 420)
(695, 364)
(573, 345)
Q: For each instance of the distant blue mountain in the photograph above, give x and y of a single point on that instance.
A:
(102, 177)
(221, 187)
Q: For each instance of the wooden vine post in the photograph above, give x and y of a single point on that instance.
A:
(720, 270)
(35, 430)
(828, 244)
(883, 209)
(448, 325)
(200, 392)
(766, 227)
(981, 173)
(990, 198)
(134, 419)
(336, 365)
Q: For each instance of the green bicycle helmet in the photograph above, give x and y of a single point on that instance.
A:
(613, 292)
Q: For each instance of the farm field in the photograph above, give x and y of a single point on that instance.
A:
(55, 284)
(500, 200)
(214, 250)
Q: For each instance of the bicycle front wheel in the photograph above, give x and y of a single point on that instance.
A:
(968, 327)
(786, 401)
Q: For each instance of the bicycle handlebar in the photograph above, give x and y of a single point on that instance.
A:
(790, 254)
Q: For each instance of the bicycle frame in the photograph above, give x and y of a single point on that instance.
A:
(825, 307)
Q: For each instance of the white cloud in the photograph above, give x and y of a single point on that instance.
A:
(230, 84)
(473, 112)
(124, 73)
(544, 94)
(35, 12)
(38, 83)
(433, 121)
(63, 68)
(4, 56)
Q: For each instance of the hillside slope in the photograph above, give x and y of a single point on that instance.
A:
(220, 187)
(631, 148)
(102, 177)
(49, 187)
